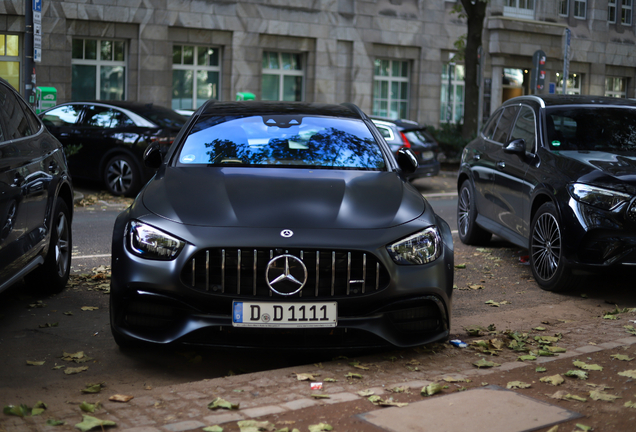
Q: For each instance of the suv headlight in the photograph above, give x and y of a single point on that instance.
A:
(606, 199)
(420, 248)
(151, 243)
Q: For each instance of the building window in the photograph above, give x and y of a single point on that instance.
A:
(98, 69)
(283, 76)
(626, 12)
(574, 84)
(564, 7)
(391, 89)
(195, 75)
(611, 11)
(454, 114)
(10, 59)
(616, 87)
(580, 9)
(519, 8)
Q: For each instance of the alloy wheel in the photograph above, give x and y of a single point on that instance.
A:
(61, 246)
(463, 211)
(546, 246)
(119, 176)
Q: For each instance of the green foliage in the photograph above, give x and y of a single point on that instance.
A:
(460, 46)
(449, 137)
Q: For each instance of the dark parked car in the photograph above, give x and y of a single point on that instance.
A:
(36, 199)
(556, 175)
(409, 134)
(284, 225)
(106, 141)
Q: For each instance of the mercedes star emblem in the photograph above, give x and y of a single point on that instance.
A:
(286, 233)
(286, 275)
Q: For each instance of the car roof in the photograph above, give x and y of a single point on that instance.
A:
(400, 123)
(551, 100)
(129, 105)
(281, 108)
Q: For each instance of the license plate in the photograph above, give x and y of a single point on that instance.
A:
(286, 315)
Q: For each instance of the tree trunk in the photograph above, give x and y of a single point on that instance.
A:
(476, 12)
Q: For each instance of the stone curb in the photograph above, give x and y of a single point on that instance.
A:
(190, 400)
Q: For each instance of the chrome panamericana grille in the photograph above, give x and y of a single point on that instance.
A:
(241, 272)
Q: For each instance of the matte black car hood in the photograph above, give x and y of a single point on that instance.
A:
(614, 170)
(268, 197)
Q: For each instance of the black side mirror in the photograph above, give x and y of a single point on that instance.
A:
(517, 146)
(153, 157)
(406, 160)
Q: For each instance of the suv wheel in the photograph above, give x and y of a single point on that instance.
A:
(51, 277)
(469, 232)
(546, 251)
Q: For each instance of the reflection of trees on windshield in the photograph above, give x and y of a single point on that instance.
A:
(329, 147)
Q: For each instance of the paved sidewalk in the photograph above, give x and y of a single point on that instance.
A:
(276, 395)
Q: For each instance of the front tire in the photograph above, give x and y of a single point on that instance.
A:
(469, 232)
(546, 251)
(52, 276)
(121, 176)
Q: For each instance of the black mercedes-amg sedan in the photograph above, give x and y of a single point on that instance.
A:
(280, 225)
(557, 175)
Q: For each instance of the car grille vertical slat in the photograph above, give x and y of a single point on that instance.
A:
(364, 272)
(238, 272)
(348, 273)
(254, 272)
(223, 271)
(333, 273)
(207, 270)
(317, 271)
(242, 272)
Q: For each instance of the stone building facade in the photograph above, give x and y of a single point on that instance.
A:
(390, 57)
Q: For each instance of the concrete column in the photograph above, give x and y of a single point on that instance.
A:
(496, 89)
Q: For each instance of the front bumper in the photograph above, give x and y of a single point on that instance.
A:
(599, 239)
(151, 303)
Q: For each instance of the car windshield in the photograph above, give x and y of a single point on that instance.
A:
(592, 129)
(282, 140)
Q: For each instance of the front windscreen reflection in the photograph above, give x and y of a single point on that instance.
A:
(292, 141)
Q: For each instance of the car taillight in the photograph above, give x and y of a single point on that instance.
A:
(405, 141)
(163, 140)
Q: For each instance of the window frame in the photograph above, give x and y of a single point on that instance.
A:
(455, 83)
(515, 9)
(99, 63)
(390, 79)
(627, 12)
(195, 67)
(616, 93)
(282, 73)
(12, 59)
(581, 5)
(611, 5)
(567, 8)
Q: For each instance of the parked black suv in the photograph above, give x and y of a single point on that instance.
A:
(36, 199)
(557, 175)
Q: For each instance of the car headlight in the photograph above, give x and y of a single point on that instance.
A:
(420, 248)
(606, 199)
(151, 243)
